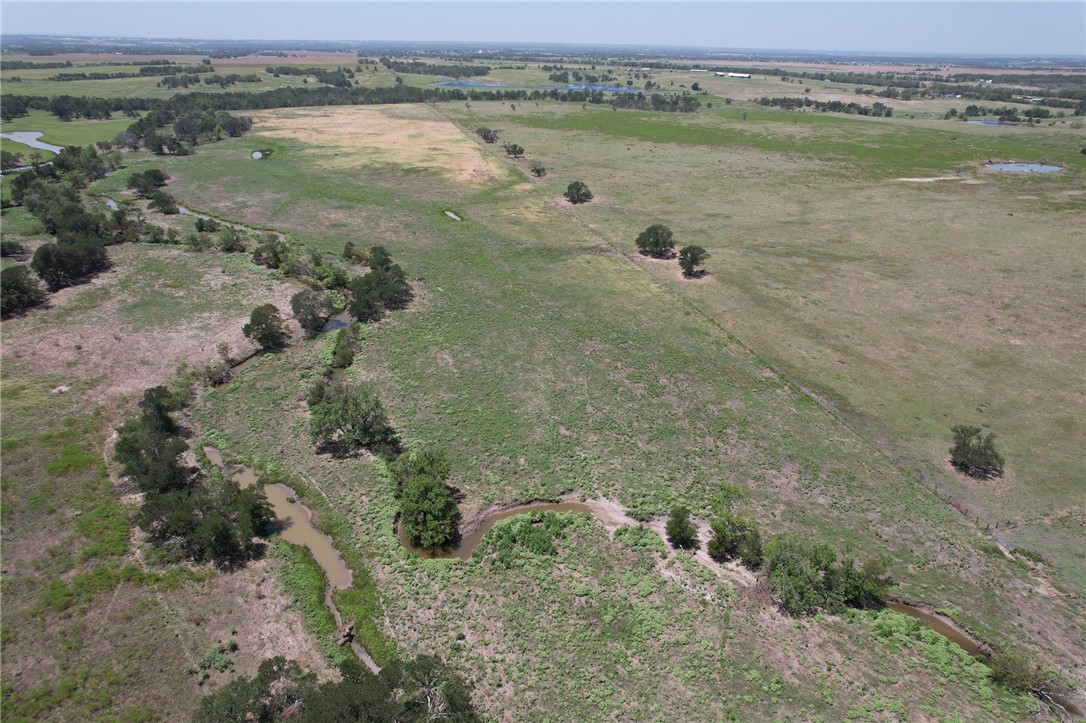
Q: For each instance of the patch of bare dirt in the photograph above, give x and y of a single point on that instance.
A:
(412, 136)
(101, 344)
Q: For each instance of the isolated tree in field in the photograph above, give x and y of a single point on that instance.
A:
(487, 134)
(538, 169)
(974, 453)
(514, 150)
(428, 512)
(657, 241)
(310, 309)
(265, 327)
(690, 257)
(19, 290)
(680, 529)
(577, 192)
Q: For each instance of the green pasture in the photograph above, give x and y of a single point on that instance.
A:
(546, 360)
(847, 279)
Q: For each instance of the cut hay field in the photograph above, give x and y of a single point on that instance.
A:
(848, 319)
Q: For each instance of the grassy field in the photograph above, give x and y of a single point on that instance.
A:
(848, 319)
(650, 407)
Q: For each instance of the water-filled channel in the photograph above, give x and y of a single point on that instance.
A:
(292, 522)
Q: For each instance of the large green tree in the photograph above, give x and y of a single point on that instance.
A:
(975, 453)
(577, 192)
(657, 240)
(266, 328)
(66, 263)
(681, 531)
(378, 290)
(347, 417)
(690, 257)
(736, 536)
(311, 309)
(19, 290)
(429, 514)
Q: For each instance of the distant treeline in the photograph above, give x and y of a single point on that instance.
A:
(145, 71)
(673, 103)
(338, 78)
(67, 107)
(31, 65)
(418, 68)
(833, 106)
(184, 81)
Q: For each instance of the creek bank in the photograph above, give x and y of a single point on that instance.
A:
(294, 524)
(612, 515)
(944, 626)
(979, 650)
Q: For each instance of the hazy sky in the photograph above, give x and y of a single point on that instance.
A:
(947, 27)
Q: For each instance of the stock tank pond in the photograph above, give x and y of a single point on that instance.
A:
(1023, 167)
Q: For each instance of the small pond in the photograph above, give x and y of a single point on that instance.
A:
(988, 123)
(257, 155)
(1023, 167)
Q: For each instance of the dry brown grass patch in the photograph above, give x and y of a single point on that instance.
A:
(409, 136)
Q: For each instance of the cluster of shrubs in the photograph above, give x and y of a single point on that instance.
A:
(489, 135)
(162, 131)
(184, 514)
(81, 236)
(420, 689)
(535, 532)
(805, 577)
(383, 288)
(832, 106)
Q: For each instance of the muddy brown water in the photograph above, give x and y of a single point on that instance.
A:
(979, 651)
(944, 627)
(469, 542)
(293, 522)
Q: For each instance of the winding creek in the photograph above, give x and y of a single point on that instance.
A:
(293, 523)
(30, 138)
